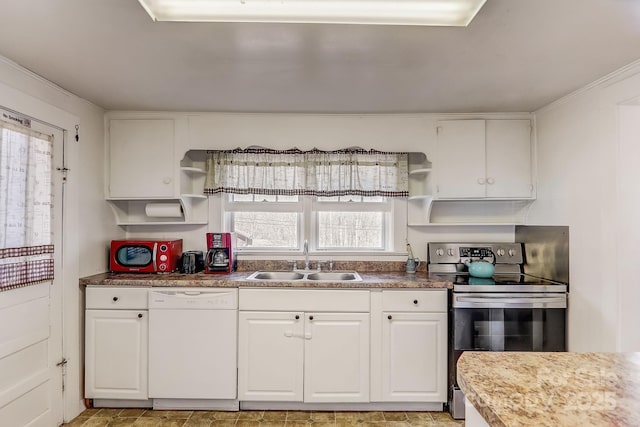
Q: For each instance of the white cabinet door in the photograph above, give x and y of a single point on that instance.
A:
(116, 353)
(141, 159)
(460, 159)
(483, 159)
(336, 357)
(508, 144)
(414, 357)
(271, 356)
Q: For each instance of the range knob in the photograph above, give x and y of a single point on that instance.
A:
(450, 252)
(500, 252)
(440, 252)
(511, 252)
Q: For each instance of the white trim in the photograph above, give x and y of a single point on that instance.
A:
(41, 80)
(603, 82)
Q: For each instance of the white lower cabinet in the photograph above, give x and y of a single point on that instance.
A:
(270, 356)
(336, 357)
(413, 345)
(409, 354)
(311, 355)
(116, 344)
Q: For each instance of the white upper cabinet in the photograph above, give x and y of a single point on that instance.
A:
(141, 159)
(478, 159)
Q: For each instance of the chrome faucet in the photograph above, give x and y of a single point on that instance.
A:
(305, 252)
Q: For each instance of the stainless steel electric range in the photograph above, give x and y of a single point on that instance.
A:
(511, 311)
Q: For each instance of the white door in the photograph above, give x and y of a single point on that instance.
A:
(509, 158)
(31, 372)
(116, 353)
(414, 357)
(141, 158)
(460, 159)
(336, 357)
(270, 356)
(627, 212)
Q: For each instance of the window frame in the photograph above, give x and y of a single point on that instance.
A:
(307, 208)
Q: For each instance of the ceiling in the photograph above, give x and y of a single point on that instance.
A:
(517, 55)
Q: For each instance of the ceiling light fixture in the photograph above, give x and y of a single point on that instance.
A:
(369, 12)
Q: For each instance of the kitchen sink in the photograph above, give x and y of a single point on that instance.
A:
(276, 275)
(336, 276)
(303, 276)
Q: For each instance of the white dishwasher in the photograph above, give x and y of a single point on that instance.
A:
(193, 348)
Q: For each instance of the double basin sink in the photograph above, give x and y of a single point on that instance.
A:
(306, 276)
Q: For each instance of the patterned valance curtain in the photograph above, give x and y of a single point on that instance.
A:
(26, 249)
(314, 172)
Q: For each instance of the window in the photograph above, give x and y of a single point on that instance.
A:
(265, 221)
(345, 200)
(341, 223)
(351, 222)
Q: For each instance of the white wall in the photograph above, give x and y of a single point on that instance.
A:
(578, 185)
(392, 132)
(88, 222)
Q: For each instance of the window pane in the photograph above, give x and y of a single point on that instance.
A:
(242, 197)
(262, 198)
(288, 199)
(266, 229)
(353, 198)
(357, 230)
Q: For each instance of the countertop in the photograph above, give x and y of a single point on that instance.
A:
(552, 389)
(239, 280)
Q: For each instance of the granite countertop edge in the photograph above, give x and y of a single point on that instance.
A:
(552, 389)
(239, 280)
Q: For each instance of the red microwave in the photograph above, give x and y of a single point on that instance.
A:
(145, 256)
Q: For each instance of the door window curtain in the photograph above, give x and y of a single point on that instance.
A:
(26, 249)
(315, 172)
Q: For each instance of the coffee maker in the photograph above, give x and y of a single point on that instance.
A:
(220, 257)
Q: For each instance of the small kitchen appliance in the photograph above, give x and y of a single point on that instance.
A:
(220, 257)
(145, 256)
(500, 307)
(192, 262)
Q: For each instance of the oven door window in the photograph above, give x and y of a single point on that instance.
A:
(510, 329)
(134, 256)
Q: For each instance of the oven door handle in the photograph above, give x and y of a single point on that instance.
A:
(522, 302)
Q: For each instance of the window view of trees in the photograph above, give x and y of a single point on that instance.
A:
(266, 229)
(364, 230)
(344, 223)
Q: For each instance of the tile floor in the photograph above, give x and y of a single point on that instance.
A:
(149, 418)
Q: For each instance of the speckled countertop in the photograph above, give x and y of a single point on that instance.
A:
(552, 389)
(375, 279)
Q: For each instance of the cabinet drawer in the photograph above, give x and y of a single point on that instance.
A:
(412, 300)
(304, 300)
(116, 298)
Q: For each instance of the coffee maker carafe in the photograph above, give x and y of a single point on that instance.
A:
(220, 257)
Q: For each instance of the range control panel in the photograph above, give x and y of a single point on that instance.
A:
(453, 253)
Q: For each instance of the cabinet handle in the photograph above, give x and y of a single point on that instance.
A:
(115, 299)
(415, 301)
(389, 317)
(310, 317)
(481, 181)
(139, 315)
(297, 316)
(490, 181)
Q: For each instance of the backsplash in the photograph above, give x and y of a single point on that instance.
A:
(371, 266)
